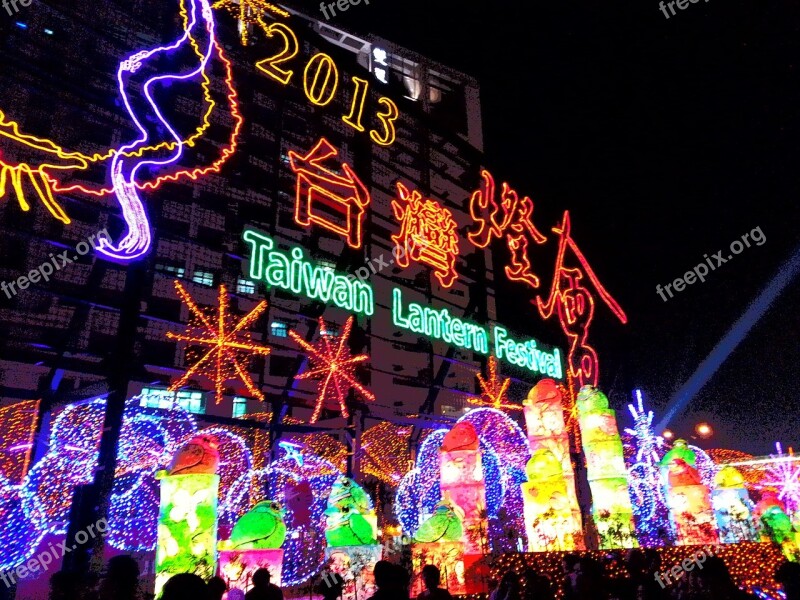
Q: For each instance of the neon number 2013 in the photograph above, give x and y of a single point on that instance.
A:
(357, 108)
(290, 50)
(315, 92)
(387, 119)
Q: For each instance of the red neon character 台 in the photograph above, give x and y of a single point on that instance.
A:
(574, 304)
(512, 218)
(336, 202)
(427, 235)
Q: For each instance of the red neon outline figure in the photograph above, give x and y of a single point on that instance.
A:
(320, 188)
(427, 235)
(575, 306)
(513, 218)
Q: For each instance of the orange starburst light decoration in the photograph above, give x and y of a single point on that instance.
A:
(222, 342)
(493, 389)
(332, 361)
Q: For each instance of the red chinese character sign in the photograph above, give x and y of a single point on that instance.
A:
(427, 235)
(573, 301)
(512, 218)
(335, 202)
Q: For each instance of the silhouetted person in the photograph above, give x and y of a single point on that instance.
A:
(537, 586)
(121, 580)
(217, 588)
(431, 577)
(185, 586)
(714, 582)
(508, 588)
(391, 581)
(262, 588)
(68, 586)
(331, 586)
(788, 575)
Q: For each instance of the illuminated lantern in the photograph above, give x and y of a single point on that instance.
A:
(550, 521)
(438, 542)
(605, 466)
(351, 534)
(732, 507)
(351, 519)
(187, 522)
(254, 544)
(776, 525)
(461, 469)
(544, 419)
(688, 499)
(444, 525)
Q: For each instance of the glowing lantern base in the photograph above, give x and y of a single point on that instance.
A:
(461, 574)
(187, 527)
(355, 564)
(691, 511)
(236, 567)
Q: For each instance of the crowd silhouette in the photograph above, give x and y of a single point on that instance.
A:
(582, 578)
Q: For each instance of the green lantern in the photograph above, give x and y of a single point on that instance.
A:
(261, 528)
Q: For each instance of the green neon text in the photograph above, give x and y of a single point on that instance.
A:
(527, 355)
(292, 272)
(438, 324)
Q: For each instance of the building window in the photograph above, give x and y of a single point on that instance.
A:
(239, 407)
(203, 278)
(245, 286)
(177, 272)
(279, 329)
(194, 402)
(331, 330)
(325, 263)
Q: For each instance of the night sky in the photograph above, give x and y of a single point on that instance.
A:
(667, 140)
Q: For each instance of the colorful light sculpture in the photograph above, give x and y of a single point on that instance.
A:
(16, 445)
(333, 361)
(226, 344)
(494, 389)
(688, 497)
(254, 544)
(187, 521)
(351, 519)
(645, 484)
(551, 522)
(783, 475)
(732, 507)
(461, 469)
(606, 471)
(544, 419)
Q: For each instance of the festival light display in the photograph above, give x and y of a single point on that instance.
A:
(333, 361)
(776, 525)
(512, 218)
(321, 191)
(645, 483)
(385, 452)
(605, 470)
(732, 507)
(544, 419)
(428, 235)
(187, 521)
(19, 423)
(688, 497)
(550, 521)
(222, 341)
(493, 390)
(783, 475)
(462, 480)
(574, 305)
(249, 13)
